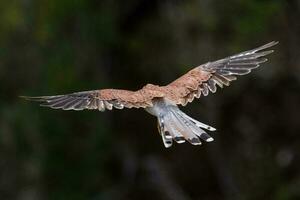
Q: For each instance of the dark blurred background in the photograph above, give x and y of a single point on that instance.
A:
(62, 46)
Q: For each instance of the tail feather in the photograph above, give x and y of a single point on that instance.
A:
(186, 131)
(178, 126)
(167, 141)
(166, 137)
(196, 130)
(174, 128)
(199, 124)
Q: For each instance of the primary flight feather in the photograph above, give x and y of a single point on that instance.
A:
(162, 101)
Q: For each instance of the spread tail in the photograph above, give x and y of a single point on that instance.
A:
(176, 125)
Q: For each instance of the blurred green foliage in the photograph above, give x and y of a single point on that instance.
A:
(62, 46)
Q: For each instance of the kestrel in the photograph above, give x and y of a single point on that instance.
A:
(163, 101)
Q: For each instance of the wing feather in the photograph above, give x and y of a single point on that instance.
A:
(225, 70)
(101, 100)
(205, 78)
(199, 81)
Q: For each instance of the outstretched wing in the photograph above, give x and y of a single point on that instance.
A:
(200, 80)
(102, 100)
(205, 78)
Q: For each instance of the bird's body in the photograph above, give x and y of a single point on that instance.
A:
(163, 101)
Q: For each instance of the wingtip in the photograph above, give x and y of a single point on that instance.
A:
(274, 42)
(29, 98)
(270, 44)
(25, 97)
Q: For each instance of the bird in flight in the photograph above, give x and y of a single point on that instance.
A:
(163, 101)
